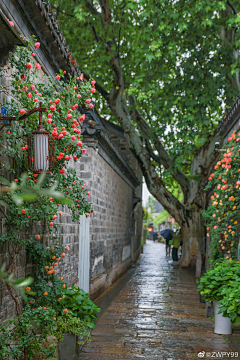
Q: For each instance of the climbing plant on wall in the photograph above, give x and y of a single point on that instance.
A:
(30, 86)
(222, 216)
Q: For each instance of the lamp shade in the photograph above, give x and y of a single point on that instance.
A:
(40, 151)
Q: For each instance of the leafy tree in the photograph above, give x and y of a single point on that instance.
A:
(150, 203)
(167, 72)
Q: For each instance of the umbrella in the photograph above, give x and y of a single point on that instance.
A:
(167, 234)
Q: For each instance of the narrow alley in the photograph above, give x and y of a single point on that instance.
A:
(157, 315)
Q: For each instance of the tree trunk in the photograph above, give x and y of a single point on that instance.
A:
(193, 234)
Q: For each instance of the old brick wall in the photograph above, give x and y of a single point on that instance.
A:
(112, 223)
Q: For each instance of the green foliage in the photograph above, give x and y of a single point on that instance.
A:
(77, 301)
(162, 217)
(175, 57)
(230, 304)
(145, 214)
(150, 203)
(19, 284)
(27, 333)
(222, 216)
(68, 323)
(216, 283)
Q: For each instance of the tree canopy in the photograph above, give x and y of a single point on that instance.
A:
(167, 72)
(173, 58)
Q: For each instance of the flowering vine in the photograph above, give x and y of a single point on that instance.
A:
(29, 87)
(222, 216)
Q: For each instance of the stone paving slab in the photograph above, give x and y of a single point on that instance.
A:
(156, 316)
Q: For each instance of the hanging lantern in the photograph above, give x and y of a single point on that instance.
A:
(41, 148)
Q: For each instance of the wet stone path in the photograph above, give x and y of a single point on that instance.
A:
(157, 315)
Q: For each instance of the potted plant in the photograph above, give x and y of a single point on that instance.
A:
(71, 332)
(75, 320)
(214, 286)
(78, 302)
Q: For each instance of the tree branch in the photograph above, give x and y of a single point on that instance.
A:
(232, 7)
(164, 158)
(117, 103)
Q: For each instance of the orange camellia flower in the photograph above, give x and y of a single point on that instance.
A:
(58, 259)
(234, 207)
(59, 299)
(63, 254)
(38, 237)
(64, 285)
(46, 267)
(28, 288)
(54, 257)
(61, 278)
(50, 272)
(65, 310)
(56, 264)
(60, 212)
(54, 271)
(51, 267)
(45, 294)
(67, 248)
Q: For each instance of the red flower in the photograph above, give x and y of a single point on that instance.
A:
(29, 95)
(23, 211)
(58, 77)
(51, 223)
(22, 111)
(29, 65)
(38, 66)
(37, 44)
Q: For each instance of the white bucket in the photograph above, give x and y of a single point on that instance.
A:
(223, 325)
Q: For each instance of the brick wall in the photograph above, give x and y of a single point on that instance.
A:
(112, 226)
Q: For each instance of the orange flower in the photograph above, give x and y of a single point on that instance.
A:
(234, 207)
(61, 278)
(28, 288)
(38, 237)
(54, 257)
(63, 254)
(46, 267)
(59, 299)
(54, 271)
(50, 272)
(51, 267)
(60, 212)
(56, 264)
(67, 248)
(65, 310)
(45, 294)
(64, 285)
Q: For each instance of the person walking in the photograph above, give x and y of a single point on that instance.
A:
(177, 241)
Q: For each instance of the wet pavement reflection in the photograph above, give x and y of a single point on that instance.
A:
(157, 315)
